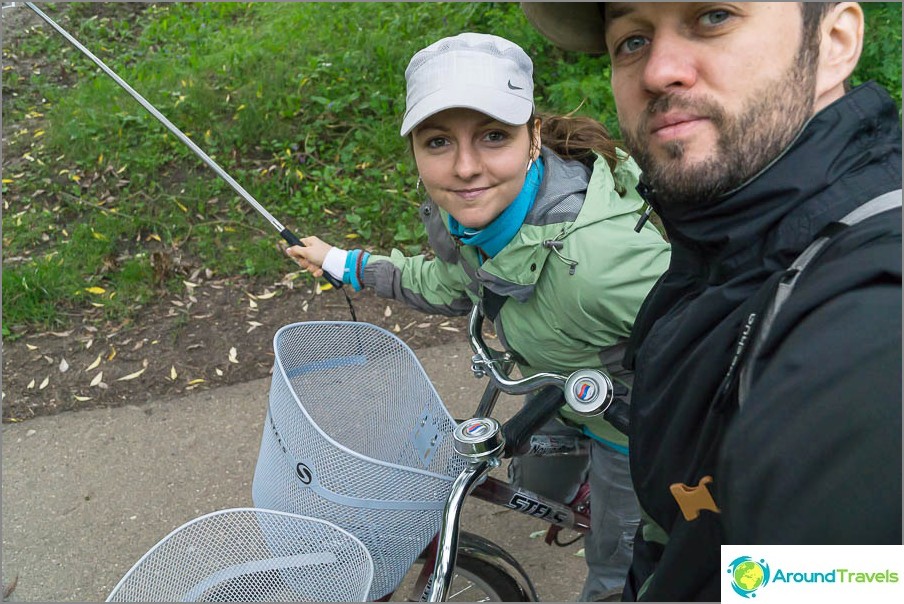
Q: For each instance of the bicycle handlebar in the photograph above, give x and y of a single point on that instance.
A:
(589, 392)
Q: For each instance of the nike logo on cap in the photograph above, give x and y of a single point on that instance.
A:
(513, 87)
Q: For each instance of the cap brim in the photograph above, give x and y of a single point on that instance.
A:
(508, 109)
(576, 26)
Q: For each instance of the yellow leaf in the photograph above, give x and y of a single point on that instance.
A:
(266, 295)
(172, 372)
(99, 236)
(39, 133)
(197, 381)
(112, 353)
(325, 287)
(97, 379)
(352, 236)
(181, 207)
(95, 290)
(154, 236)
(6, 181)
(81, 398)
(131, 376)
(95, 363)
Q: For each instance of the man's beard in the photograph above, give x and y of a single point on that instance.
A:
(746, 143)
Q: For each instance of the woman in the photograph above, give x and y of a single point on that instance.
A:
(533, 218)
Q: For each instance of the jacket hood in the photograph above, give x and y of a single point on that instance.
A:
(777, 223)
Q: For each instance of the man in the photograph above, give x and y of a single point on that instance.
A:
(751, 148)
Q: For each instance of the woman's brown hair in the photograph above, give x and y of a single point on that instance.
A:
(577, 137)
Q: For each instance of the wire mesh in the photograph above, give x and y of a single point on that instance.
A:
(251, 555)
(356, 434)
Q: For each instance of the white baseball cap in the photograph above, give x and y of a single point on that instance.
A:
(482, 72)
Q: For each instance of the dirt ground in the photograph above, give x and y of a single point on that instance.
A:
(214, 332)
(217, 333)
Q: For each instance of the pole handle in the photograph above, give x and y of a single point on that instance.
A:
(292, 239)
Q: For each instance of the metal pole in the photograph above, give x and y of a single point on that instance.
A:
(288, 235)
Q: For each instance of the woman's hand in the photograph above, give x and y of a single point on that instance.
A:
(310, 257)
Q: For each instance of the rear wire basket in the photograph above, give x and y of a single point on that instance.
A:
(251, 555)
(356, 434)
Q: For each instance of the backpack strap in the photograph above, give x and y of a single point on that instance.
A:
(883, 203)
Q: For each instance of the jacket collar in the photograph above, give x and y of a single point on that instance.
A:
(775, 215)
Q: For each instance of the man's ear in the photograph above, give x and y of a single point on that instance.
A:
(839, 50)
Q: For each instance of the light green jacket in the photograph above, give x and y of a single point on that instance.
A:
(568, 308)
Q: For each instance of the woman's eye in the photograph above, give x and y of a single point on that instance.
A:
(496, 136)
(715, 17)
(436, 143)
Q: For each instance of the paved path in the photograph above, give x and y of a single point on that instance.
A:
(85, 494)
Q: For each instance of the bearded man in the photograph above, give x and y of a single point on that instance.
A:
(748, 427)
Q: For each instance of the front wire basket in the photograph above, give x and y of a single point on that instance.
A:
(356, 434)
(251, 555)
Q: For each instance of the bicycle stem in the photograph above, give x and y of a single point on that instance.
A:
(447, 546)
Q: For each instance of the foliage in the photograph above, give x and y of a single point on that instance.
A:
(299, 102)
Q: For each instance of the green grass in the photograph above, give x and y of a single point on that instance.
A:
(299, 102)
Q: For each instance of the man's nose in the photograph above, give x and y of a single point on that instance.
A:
(670, 64)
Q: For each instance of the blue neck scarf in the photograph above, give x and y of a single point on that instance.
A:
(496, 235)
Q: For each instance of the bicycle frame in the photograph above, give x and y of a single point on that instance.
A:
(476, 482)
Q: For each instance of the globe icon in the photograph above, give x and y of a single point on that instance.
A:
(749, 575)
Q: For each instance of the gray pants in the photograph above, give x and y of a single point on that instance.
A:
(615, 512)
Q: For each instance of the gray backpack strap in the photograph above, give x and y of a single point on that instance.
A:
(883, 203)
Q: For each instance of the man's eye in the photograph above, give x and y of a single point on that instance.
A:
(715, 17)
(632, 44)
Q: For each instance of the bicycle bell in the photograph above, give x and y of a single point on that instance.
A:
(478, 437)
(588, 392)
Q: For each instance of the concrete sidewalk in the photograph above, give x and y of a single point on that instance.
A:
(86, 494)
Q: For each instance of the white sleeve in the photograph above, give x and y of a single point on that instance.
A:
(334, 263)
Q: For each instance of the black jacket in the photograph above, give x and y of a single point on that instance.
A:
(815, 455)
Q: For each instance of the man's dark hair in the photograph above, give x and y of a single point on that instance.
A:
(813, 14)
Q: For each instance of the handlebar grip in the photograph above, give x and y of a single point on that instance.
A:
(617, 414)
(540, 408)
(292, 239)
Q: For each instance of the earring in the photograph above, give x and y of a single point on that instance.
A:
(417, 186)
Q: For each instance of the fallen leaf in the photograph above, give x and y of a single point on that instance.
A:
(252, 303)
(396, 329)
(31, 347)
(95, 363)
(64, 366)
(387, 313)
(97, 379)
(266, 295)
(132, 376)
(95, 290)
(254, 325)
(81, 398)
(219, 371)
(197, 381)
(44, 383)
(172, 372)
(232, 355)
(325, 287)
(62, 334)
(31, 385)
(112, 353)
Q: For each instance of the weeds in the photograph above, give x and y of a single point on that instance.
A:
(299, 102)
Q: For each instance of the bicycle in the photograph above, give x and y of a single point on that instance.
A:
(356, 436)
